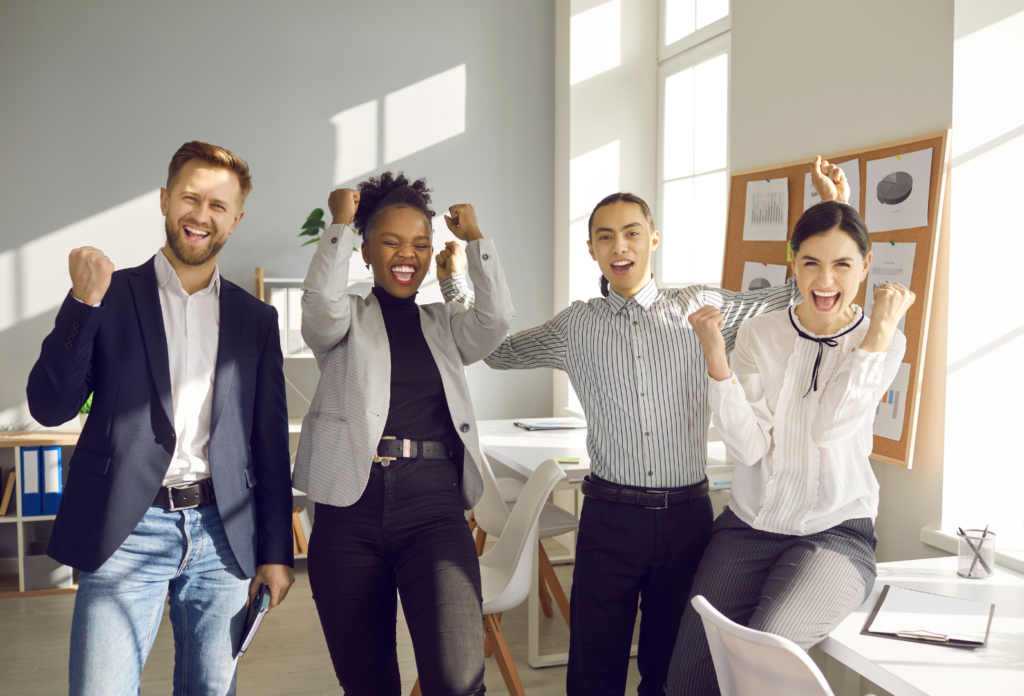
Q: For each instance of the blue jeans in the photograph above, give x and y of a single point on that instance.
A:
(118, 608)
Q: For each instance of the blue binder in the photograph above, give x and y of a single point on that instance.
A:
(51, 478)
(31, 482)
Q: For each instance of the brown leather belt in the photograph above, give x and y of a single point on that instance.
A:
(649, 498)
(185, 497)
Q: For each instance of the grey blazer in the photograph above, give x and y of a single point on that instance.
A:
(347, 335)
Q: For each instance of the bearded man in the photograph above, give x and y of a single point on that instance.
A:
(161, 499)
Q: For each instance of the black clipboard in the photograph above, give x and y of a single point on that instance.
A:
(258, 608)
(945, 642)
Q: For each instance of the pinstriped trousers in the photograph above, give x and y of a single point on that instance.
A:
(798, 587)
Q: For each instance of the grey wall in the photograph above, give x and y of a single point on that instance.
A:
(97, 96)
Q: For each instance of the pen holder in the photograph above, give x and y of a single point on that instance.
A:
(977, 554)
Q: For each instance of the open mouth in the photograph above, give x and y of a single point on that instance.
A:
(825, 301)
(622, 267)
(403, 273)
(194, 234)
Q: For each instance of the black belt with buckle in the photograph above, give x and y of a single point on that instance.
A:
(391, 448)
(651, 498)
(185, 497)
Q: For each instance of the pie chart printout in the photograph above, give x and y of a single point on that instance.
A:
(759, 284)
(895, 188)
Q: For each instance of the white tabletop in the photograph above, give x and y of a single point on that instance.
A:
(523, 451)
(914, 669)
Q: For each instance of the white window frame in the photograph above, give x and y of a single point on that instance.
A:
(666, 51)
(716, 45)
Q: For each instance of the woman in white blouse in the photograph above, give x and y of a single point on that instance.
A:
(795, 551)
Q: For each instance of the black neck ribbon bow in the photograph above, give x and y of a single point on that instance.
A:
(829, 341)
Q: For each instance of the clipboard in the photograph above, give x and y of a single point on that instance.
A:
(916, 634)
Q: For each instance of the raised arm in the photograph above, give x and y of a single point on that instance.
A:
(737, 307)
(738, 406)
(326, 311)
(542, 346)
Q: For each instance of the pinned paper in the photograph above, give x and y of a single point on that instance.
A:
(891, 410)
(766, 217)
(897, 192)
(893, 263)
(760, 276)
(851, 168)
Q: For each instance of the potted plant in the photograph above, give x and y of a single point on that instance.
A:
(313, 226)
(83, 413)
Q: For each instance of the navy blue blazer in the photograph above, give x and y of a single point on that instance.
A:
(118, 351)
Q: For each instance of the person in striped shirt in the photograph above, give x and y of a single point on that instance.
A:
(639, 372)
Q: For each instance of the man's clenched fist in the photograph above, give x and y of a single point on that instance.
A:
(90, 274)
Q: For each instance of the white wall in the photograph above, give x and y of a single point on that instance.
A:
(98, 96)
(823, 77)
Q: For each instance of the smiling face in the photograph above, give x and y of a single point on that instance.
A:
(399, 250)
(829, 270)
(621, 241)
(201, 210)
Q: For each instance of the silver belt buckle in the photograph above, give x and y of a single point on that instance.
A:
(659, 507)
(170, 499)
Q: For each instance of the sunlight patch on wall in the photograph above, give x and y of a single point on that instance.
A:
(424, 114)
(595, 41)
(355, 141)
(592, 176)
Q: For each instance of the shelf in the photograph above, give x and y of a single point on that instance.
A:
(8, 518)
(38, 518)
(39, 438)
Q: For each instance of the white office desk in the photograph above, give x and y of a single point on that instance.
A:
(914, 669)
(523, 451)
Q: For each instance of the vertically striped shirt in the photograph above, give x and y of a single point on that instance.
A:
(639, 372)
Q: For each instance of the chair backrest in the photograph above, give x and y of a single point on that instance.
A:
(753, 663)
(490, 512)
(513, 556)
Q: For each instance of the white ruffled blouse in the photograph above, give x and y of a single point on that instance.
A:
(802, 460)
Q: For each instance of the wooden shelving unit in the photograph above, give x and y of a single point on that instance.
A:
(11, 586)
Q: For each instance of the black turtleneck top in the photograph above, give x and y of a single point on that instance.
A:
(419, 407)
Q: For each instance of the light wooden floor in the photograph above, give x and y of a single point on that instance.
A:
(289, 655)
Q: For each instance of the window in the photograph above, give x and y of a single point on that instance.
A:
(693, 164)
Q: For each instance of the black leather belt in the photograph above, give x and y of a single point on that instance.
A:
(651, 498)
(185, 497)
(390, 448)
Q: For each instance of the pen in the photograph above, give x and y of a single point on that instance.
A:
(970, 573)
(977, 555)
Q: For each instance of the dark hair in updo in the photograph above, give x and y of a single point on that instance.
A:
(829, 215)
(377, 194)
(616, 198)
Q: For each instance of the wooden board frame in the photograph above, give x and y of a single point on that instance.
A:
(737, 252)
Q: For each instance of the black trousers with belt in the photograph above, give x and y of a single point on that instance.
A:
(624, 554)
(407, 532)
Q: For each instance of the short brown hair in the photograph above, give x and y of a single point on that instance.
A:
(214, 155)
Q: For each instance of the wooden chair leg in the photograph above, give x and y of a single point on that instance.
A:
(416, 689)
(481, 539)
(547, 572)
(472, 521)
(487, 645)
(503, 657)
(545, 597)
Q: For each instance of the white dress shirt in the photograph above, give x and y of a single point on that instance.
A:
(192, 327)
(802, 460)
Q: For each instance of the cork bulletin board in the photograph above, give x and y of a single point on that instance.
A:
(739, 251)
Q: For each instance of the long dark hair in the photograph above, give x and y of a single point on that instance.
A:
(828, 215)
(377, 194)
(615, 198)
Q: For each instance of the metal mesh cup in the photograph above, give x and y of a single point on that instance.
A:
(977, 554)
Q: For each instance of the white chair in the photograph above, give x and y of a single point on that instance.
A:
(492, 513)
(506, 571)
(753, 663)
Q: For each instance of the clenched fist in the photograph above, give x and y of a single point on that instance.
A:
(892, 301)
(90, 274)
(451, 260)
(829, 181)
(343, 204)
(462, 222)
(707, 324)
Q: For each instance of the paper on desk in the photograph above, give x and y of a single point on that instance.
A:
(910, 610)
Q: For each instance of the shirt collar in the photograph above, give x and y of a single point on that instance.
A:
(645, 297)
(165, 272)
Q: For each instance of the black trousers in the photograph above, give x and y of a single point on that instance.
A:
(625, 553)
(407, 532)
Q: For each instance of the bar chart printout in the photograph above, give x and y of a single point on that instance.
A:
(891, 410)
(766, 217)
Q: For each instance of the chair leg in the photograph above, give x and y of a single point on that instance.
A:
(503, 657)
(472, 521)
(487, 645)
(481, 538)
(416, 689)
(545, 597)
(547, 572)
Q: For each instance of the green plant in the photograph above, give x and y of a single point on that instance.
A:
(87, 406)
(313, 226)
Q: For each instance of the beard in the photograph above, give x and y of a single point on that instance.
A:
(192, 255)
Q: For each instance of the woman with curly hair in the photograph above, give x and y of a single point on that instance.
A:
(389, 450)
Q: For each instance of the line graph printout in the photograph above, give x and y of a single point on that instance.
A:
(893, 263)
(892, 408)
(766, 217)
